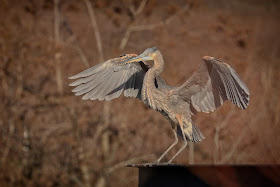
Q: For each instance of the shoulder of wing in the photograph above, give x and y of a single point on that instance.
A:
(119, 63)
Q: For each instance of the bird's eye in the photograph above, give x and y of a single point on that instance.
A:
(122, 55)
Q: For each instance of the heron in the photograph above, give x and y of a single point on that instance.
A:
(213, 83)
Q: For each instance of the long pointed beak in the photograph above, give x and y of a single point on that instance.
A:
(140, 58)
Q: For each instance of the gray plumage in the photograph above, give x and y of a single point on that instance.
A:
(107, 80)
(213, 83)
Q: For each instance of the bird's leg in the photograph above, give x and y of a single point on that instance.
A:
(182, 148)
(184, 137)
(175, 142)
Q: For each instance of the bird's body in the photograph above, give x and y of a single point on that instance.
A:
(213, 83)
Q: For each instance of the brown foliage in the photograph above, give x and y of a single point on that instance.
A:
(50, 137)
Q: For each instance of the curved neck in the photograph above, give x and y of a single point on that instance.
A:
(150, 92)
(156, 70)
(158, 64)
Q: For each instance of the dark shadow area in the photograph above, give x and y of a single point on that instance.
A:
(193, 175)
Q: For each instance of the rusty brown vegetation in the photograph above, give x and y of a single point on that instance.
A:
(49, 137)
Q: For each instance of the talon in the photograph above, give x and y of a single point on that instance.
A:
(170, 161)
(166, 163)
(156, 162)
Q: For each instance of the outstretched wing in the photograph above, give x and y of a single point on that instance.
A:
(108, 79)
(213, 83)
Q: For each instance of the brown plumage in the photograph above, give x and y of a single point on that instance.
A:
(213, 83)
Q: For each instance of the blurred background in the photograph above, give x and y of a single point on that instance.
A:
(50, 137)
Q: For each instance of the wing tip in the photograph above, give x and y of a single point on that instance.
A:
(73, 77)
(72, 84)
(75, 90)
(85, 97)
(77, 93)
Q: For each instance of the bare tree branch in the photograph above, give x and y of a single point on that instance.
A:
(239, 139)
(217, 133)
(8, 143)
(56, 21)
(96, 30)
(191, 153)
(82, 55)
(106, 109)
(57, 41)
(140, 8)
(74, 44)
(132, 28)
(101, 181)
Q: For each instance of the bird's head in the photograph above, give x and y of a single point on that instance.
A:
(148, 54)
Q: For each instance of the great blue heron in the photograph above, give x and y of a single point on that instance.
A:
(213, 83)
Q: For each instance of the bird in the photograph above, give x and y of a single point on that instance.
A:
(213, 83)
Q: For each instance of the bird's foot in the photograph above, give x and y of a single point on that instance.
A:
(156, 162)
(149, 164)
(170, 161)
(165, 163)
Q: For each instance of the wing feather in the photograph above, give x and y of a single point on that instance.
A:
(108, 79)
(93, 83)
(130, 86)
(120, 88)
(213, 83)
(91, 71)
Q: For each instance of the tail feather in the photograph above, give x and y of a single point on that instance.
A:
(191, 132)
